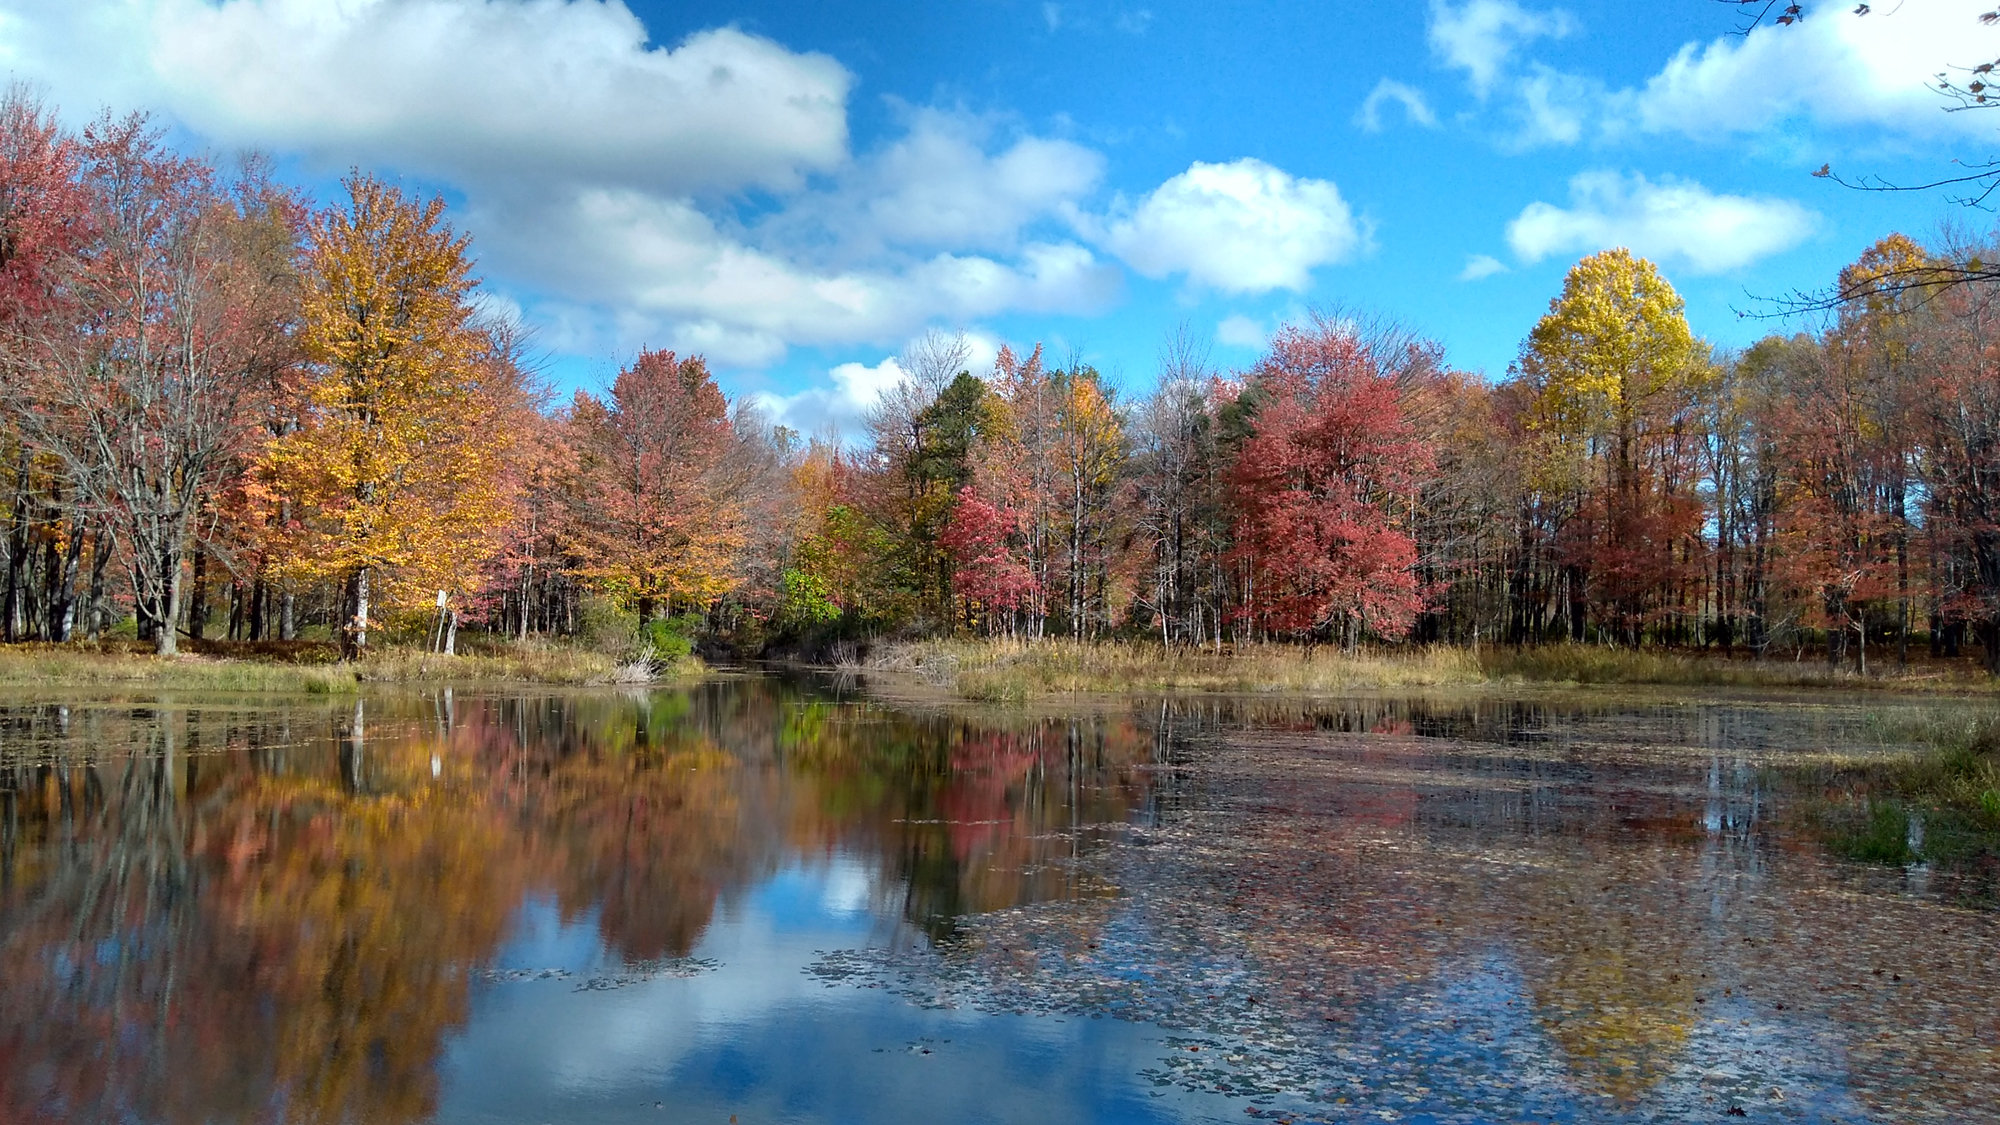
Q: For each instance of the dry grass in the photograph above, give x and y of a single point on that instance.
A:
(1014, 670)
(308, 670)
(1008, 670)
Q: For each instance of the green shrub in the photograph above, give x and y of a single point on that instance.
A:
(672, 638)
(605, 627)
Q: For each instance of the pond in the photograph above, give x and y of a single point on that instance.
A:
(780, 899)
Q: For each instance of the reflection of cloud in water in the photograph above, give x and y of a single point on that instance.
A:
(759, 1037)
(850, 887)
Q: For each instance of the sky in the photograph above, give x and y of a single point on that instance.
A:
(797, 190)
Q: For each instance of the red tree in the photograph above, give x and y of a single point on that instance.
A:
(1323, 486)
(652, 520)
(989, 571)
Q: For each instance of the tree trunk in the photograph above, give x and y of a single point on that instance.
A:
(100, 561)
(167, 641)
(354, 637)
(12, 615)
(198, 597)
(288, 628)
(62, 597)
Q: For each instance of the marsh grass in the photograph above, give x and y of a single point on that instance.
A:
(1595, 664)
(1002, 670)
(1014, 670)
(1939, 801)
(314, 668)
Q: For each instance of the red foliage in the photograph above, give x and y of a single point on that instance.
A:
(648, 522)
(989, 571)
(1322, 488)
(43, 207)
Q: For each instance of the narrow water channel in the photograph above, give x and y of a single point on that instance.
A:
(780, 900)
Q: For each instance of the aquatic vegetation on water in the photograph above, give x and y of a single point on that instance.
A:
(1938, 802)
(1354, 925)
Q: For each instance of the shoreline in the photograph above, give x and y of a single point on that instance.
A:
(1017, 672)
(34, 667)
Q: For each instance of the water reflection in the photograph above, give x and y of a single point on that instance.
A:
(211, 913)
(475, 907)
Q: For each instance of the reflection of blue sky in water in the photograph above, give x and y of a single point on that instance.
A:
(758, 1038)
(1497, 910)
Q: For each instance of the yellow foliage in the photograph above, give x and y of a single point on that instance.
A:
(395, 466)
(1614, 340)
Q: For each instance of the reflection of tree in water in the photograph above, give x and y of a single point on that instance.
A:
(966, 817)
(276, 914)
(213, 943)
(1612, 976)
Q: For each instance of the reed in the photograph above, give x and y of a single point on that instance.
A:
(312, 669)
(1016, 669)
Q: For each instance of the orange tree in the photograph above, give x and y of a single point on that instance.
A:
(396, 466)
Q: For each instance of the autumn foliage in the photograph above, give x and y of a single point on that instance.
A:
(231, 412)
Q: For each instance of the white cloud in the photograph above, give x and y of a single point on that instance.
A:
(841, 407)
(601, 175)
(1239, 331)
(1833, 67)
(667, 268)
(473, 91)
(938, 187)
(1480, 36)
(1243, 227)
(1135, 21)
(1554, 108)
(1479, 266)
(1415, 106)
(1673, 220)
(1052, 16)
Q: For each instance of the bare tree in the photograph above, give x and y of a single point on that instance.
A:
(140, 377)
(1963, 87)
(929, 363)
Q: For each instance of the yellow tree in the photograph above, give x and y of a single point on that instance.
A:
(1090, 452)
(396, 465)
(1611, 369)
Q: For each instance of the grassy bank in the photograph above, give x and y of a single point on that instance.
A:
(997, 670)
(1014, 670)
(1940, 801)
(314, 669)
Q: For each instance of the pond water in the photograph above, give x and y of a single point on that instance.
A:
(763, 899)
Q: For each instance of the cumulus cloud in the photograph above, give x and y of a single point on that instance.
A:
(840, 408)
(1836, 67)
(939, 186)
(602, 175)
(1672, 220)
(1480, 36)
(1243, 227)
(1415, 106)
(465, 90)
(670, 269)
(1479, 266)
(1553, 107)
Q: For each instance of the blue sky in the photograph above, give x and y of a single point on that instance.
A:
(796, 190)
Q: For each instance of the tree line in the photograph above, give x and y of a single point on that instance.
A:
(232, 412)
